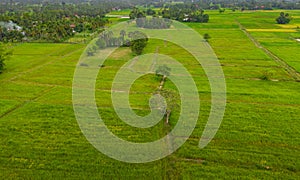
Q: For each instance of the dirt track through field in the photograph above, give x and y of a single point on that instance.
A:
(291, 71)
(51, 87)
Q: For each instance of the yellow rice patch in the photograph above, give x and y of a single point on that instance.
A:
(272, 30)
(289, 26)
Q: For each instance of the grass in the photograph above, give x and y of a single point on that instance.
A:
(124, 12)
(272, 30)
(258, 138)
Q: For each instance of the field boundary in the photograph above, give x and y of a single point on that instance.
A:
(22, 104)
(290, 70)
(55, 58)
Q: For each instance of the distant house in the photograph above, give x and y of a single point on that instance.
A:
(186, 18)
(116, 9)
(10, 26)
(73, 26)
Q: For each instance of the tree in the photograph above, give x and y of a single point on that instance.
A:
(172, 99)
(206, 37)
(150, 12)
(91, 50)
(138, 46)
(140, 22)
(284, 18)
(123, 33)
(139, 41)
(170, 95)
(101, 43)
(136, 13)
(163, 71)
(185, 13)
(222, 10)
(5, 54)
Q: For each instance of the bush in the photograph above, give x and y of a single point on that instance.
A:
(266, 76)
(139, 42)
(284, 18)
(101, 43)
(206, 36)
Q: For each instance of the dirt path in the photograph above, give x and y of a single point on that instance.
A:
(291, 71)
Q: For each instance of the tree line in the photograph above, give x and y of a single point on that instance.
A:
(136, 40)
(51, 22)
(185, 13)
(150, 23)
(229, 4)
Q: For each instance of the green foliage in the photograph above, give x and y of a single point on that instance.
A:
(150, 12)
(257, 138)
(136, 13)
(284, 18)
(163, 70)
(139, 41)
(91, 50)
(101, 43)
(11, 35)
(5, 54)
(266, 76)
(51, 22)
(222, 10)
(154, 23)
(185, 13)
(150, 23)
(172, 97)
(138, 46)
(206, 36)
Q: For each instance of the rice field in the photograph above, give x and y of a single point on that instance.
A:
(259, 137)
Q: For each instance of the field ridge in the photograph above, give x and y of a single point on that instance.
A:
(292, 72)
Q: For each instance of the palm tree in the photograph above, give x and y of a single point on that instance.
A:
(122, 34)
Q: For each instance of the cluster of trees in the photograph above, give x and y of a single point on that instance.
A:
(137, 13)
(137, 41)
(150, 23)
(10, 35)
(251, 4)
(284, 18)
(54, 22)
(36, 27)
(185, 13)
(107, 5)
(229, 4)
(154, 23)
(172, 97)
(91, 8)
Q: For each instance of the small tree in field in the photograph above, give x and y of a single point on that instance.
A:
(101, 43)
(139, 42)
(164, 71)
(222, 10)
(284, 18)
(206, 37)
(173, 100)
(170, 96)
